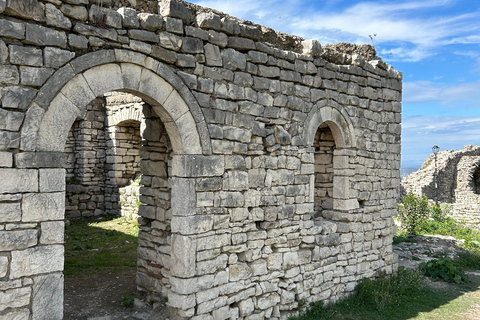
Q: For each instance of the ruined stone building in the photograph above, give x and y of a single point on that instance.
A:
(458, 182)
(267, 165)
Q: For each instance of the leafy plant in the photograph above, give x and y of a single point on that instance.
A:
(445, 269)
(127, 301)
(413, 212)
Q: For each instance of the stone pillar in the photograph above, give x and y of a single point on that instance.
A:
(32, 206)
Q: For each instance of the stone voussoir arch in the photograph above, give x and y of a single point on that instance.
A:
(336, 118)
(65, 95)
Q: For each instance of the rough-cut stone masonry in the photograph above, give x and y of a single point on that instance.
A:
(103, 158)
(270, 165)
(458, 182)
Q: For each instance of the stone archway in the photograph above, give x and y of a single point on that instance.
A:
(45, 133)
(340, 129)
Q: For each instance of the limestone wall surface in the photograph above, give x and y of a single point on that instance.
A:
(270, 164)
(457, 182)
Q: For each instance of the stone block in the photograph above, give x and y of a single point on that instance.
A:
(15, 298)
(40, 159)
(212, 55)
(209, 20)
(192, 45)
(28, 9)
(10, 120)
(3, 266)
(44, 36)
(56, 18)
(9, 74)
(55, 57)
(29, 56)
(3, 4)
(173, 8)
(241, 43)
(9, 140)
(43, 206)
(52, 232)
(183, 197)
(183, 256)
(47, 300)
(52, 180)
(36, 260)
(11, 29)
(198, 166)
(20, 180)
(129, 17)
(18, 239)
(192, 224)
(233, 60)
(150, 21)
(76, 41)
(89, 30)
(16, 97)
(143, 35)
(34, 76)
(6, 159)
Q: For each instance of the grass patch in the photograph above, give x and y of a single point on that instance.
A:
(100, 246)
(400, 296)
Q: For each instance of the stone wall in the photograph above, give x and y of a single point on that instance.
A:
(103, 158)
(270, 165)
(457, 182)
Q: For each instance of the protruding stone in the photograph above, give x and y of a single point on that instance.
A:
(129, 17)
(28, 9)
(173, 8)
(209, 20)
(312, 48)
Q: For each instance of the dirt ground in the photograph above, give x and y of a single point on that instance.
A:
(99, 297)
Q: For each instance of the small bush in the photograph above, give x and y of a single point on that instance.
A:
(469, 259)
(413, 212)
(445, 269)
(127, 301)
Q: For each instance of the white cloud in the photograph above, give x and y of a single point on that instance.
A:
(427, 91)
(420, 133)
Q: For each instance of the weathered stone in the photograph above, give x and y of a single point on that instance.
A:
(18, 240)
(198, 166)
(241, 43)
(112, 18)
(79, 42)
(170, 41)
(52, 180)
(209, 20)
(94, 31)
(15, 298)
(233, 60)
(240, 271)
(21, 180)
(46, 304)
(9, 74)
(150, 21)
(129, 17)
(12, 29)
(75, 12)
(192, 45)
(174, 25)
(3, 52)
(52, 232)
(28, 9)
(44, 36)
(172, 8)
(56, 18)
(143, 35)
(55, 57)
(26, 56)
(6, 159)
(17, 97)
(36, 260)
(183, 256)
(43, 206)
(34, 76)
(10, 120)
(9, 140)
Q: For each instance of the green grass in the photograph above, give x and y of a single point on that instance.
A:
(100, 246)
(398, 297)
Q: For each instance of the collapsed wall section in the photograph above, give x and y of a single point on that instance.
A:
(242, 216)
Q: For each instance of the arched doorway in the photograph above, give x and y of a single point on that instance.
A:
(172, 105)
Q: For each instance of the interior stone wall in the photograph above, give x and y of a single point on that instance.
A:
(228, 161)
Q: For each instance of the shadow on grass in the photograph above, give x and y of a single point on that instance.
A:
(434, 296)
(100, 246)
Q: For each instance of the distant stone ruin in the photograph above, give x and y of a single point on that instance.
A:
(268, 167)
(458, 182)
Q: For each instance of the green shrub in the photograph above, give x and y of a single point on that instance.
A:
(445, 269)
(469, 259)
(413, 212)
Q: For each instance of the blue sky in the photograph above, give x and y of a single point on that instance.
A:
(436, 44)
